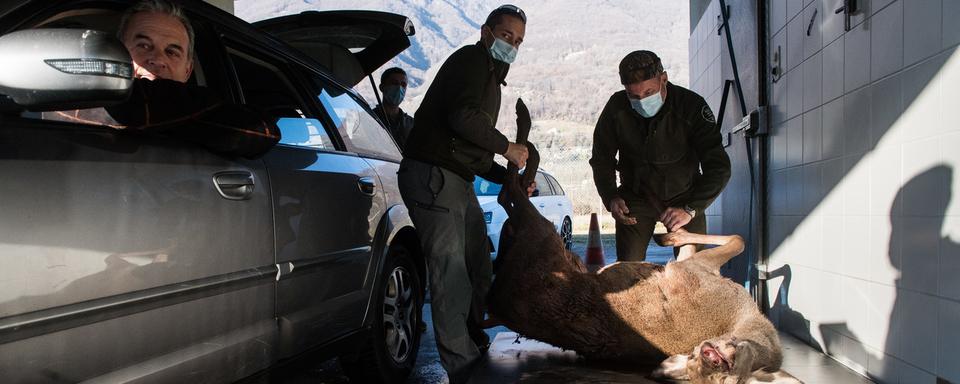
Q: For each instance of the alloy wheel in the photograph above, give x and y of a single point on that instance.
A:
(566, 233)
(399, 320)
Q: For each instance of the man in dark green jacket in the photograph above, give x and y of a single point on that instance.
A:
(671, 160)
(454, 138)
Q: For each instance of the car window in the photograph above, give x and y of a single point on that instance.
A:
(543, 185)
(557, 190)
(108, 20)
(484, 187)
(265, 86)
(360, 131)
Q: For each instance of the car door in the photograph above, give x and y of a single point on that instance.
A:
(130, 256)
(326, 204)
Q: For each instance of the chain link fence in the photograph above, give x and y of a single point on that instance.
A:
(565, 151)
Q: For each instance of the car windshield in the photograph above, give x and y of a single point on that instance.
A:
(484, 187)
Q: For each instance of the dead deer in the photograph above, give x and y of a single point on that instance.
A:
(706, 326)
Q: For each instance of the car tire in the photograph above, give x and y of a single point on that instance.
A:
(390, 352)
(566, 233)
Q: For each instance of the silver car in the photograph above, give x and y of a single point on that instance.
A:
(136, 257)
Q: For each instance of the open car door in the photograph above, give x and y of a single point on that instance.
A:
(352, 44)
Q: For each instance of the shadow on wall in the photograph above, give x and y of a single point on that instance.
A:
(860, 121)
(912, 329)
(782, 315)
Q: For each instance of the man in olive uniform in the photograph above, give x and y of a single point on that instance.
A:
(454, 138)
(393, 85)
(670, 156)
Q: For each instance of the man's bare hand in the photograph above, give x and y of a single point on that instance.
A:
(675, 218)
(619, 209)
(517, 154)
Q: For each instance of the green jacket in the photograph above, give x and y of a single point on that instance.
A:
(677, 153)
(455, 126)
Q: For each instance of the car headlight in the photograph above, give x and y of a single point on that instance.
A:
(488, 217)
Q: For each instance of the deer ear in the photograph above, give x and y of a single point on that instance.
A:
(778, 377)
(674, 367)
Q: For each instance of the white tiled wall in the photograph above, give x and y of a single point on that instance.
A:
(706, 80)
(864, 183)
(864, 165)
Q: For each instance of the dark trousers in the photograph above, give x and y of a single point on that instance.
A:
(453, 235)
(632, 240)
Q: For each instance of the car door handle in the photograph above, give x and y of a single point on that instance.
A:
(234, 185)
(368, 186)
(559, 204)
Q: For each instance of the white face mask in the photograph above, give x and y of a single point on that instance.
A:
(503, 51)
(648, 106)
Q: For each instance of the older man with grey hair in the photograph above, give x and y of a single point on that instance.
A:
(160, 40)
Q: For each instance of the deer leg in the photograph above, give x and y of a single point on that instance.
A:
(513, 197)
(728, 247)
(686, 251)
(533, 164)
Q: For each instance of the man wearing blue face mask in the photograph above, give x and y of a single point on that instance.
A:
(454, 139)
(393, 86)
(664, 141)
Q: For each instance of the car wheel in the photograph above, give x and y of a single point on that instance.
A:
(566, 233)
(391, 350)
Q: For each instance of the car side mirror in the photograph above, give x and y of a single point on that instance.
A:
(57, 69)
(536, 192)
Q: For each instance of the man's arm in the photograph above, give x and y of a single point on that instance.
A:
(496, 174)
(464, 93)
(603, 160)
(714, 162)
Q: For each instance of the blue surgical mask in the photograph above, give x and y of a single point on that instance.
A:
(393, 94)
(648, 106)
(503, 51)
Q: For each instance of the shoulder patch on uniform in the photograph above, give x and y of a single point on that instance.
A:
(707, 114)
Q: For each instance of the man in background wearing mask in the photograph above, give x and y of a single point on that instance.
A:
(670, 156)
(393, 85)
(454, 139)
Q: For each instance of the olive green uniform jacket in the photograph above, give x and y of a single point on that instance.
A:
(677, 154)
(455, 126)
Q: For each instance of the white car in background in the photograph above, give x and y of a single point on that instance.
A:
(548, 198)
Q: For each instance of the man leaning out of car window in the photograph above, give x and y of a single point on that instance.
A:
(160, 40)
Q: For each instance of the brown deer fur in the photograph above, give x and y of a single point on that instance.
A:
(708, 326)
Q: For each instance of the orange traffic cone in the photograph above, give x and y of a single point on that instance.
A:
(594, 246)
